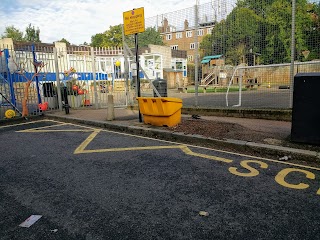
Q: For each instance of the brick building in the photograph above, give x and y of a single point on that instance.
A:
(184, 39)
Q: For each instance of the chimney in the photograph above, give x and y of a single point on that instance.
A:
(165, 24)
(186, 24)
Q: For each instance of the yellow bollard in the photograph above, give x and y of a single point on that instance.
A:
(110, 111)
(269, 85)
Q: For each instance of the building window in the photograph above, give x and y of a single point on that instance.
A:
(188, 34)
(194, 45)
(179, 65)
(169, 36)
(174, 47)
(209, 30)
(190, 58)
(178, 35)
(200, 32)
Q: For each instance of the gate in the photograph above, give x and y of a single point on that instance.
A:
(47, 69)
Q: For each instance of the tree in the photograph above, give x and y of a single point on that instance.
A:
(242, 29)
(149, 36)
(278, 45)
(12, 32)
(235, 36)
(65, 41)
(97, 40)
(32, 34)
(110, 38)
(215, 43)
(259, 7)
(113, 38)
(206, 45)
(264, 27)
(312, 32)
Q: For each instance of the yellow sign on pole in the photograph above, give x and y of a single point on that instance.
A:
(133, 21)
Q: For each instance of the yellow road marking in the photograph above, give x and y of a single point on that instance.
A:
(86, 142)
(40, 129)
(82, 149)
(77, 125)
(189, 152)
(280, 178)
(20, 124)
(66, 130)
(252, 171)
(45, 127)
(217, 150)
(125, 149)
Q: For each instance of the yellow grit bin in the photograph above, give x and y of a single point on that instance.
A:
(160, 111)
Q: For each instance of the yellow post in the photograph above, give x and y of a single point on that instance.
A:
(110, 111)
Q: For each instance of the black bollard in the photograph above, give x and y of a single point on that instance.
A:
(65, 103)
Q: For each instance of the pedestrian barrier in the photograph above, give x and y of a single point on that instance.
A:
(164, 111)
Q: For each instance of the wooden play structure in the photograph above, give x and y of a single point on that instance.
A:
(216, 73)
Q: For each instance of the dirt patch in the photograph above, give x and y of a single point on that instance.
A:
(221, 130)
(225, 130)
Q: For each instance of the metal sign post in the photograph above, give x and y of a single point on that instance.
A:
(133, 23)
(138, 66)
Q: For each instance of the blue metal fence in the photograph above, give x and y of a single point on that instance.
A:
(25, 62)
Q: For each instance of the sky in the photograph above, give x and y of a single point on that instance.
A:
(78, 20)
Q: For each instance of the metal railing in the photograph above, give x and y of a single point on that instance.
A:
(273, 77)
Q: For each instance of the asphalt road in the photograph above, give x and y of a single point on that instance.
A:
(262, 98)
(89, 183)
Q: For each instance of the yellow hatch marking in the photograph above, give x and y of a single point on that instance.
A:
(86, 142)
(39, 128)
(188, 151)
(184, 148)
(20, 124)
(66, 130)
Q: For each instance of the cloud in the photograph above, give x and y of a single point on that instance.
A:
(77, 20)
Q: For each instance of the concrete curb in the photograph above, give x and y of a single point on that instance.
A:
(268, 114)
(270, 150)
(20, 119)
